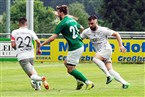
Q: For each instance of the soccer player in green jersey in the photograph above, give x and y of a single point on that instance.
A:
(69, 28)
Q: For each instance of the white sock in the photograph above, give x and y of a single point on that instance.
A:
(34, 71)
(101, 65)
(88, 82)
(117, 76)
(36, 77)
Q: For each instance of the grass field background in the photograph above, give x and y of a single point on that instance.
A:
(15, 83)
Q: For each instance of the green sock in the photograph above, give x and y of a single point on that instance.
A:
(78, 75)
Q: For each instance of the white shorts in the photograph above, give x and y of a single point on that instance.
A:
(73, 57)
(106, 54)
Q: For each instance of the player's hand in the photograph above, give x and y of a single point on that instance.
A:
(39, 52)
(122, 49)
(41, 45)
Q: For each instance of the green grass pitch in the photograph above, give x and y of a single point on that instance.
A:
(15, 83)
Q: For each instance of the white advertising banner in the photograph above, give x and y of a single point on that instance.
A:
(6, 51)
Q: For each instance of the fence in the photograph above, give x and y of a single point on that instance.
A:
(124, 35)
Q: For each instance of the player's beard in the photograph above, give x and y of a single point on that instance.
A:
(60, 17)
(93, 28)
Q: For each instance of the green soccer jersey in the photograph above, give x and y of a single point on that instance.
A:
(70, 30)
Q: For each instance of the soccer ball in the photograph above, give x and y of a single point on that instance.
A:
(36, 84)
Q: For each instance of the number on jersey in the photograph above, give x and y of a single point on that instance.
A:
(74, 30)
(23, 41)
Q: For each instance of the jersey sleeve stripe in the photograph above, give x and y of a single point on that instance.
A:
(12, 38)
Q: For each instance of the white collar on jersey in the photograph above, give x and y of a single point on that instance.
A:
(23, 28)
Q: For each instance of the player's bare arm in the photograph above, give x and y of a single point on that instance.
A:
(50, 39)
(38, 46)
(38, 43)
(121, 47)
(81, 29)
(13, 44)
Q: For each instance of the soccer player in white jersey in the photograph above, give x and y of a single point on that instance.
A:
(98, 36)
(21, 41)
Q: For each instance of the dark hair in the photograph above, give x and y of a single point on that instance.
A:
(92, 17)
(22, 20)
(63, 8)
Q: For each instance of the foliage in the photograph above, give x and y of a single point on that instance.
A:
(78, 10)
(43, 16)
(2, 28)
(91, 6)
(126, 15)
(104, 23)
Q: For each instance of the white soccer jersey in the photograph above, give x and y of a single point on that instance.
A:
(99, 38)
(23, 38)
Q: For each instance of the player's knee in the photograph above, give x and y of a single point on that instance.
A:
(70, 68)
(68, 71)
(65, 63)
(109, 66)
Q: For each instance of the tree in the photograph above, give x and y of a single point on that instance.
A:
(43, 16)
(124, 14)
(2, 28)
(78, 10)
(91, 6)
